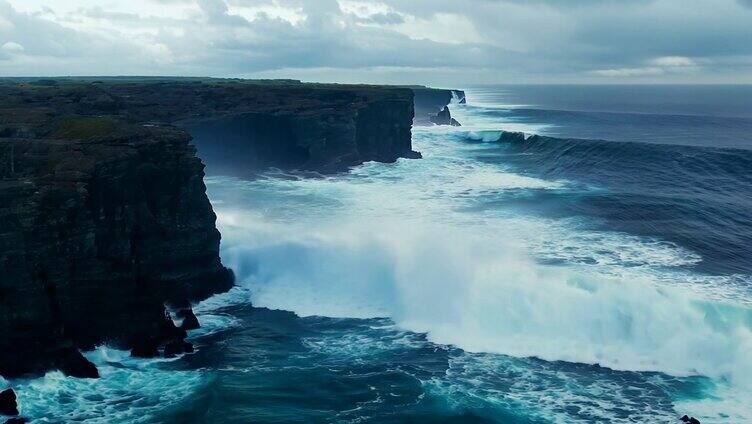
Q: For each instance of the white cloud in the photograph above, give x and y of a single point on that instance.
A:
(12, 47)
(442, 28)
(673, 61)
(629, 72)
(364, 9)
(486, 41)
(292, 15)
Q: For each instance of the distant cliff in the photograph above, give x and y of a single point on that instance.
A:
(432, 105)
(104, 217)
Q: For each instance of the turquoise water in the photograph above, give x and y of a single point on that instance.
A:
(549, 281)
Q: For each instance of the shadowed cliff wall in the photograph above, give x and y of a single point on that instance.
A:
(104, 217)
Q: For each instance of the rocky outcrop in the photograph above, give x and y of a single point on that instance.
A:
(102, 223)
(8, 404)
(189, 319)
(444, 117)
(432, 105)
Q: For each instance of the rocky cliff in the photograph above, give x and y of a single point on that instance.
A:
(432, 105)
(242, 124)
(104, 219)
(97, 233)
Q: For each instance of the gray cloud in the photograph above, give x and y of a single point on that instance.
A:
(391, 40)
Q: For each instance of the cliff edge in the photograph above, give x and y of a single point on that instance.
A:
(104, 218)
(432, 105)
(101, 226)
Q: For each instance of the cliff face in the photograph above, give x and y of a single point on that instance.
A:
(104, 218)
(284, 124)
(431, 105)
(96, 235)
(326, 138)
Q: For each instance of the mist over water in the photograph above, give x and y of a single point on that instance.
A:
(487, 282)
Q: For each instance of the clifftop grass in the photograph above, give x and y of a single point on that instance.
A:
(83, 128)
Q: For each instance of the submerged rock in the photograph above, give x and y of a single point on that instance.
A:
(8, 404)
(690, 420)
(16, 420)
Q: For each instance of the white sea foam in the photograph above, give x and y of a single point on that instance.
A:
(409, 241)
(395, 240)
(479, 293)
(128, 390)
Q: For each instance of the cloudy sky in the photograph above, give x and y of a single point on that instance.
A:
(393, 41)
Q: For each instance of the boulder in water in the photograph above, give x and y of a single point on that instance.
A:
(8, 404)
(690, 420)
(16, 420)
(74, 364)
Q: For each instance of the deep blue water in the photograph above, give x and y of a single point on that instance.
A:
(543, 280)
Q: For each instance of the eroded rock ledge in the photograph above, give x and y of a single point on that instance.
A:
(104, 218)
(432, 105)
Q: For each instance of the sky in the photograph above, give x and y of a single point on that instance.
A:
(439, 42)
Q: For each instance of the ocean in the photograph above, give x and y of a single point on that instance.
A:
(602, 273)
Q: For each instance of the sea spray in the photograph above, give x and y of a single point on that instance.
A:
(480, 293)
(129, 390)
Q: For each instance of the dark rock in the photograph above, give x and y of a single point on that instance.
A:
(8, 404)
(104, 213)
(431, 101)
(444, 117)
(95, 237)
(176, 347)
(17, 420)
(413, 155)
(190, 322)
(145, 349)
(238, 125)
(338, 129)
(690, 420)
(74, 364)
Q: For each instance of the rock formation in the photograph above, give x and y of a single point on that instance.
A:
(104, 218)
(444, 117)
(242, 125)
(8, 404)
(432, 105)
(102, 224)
